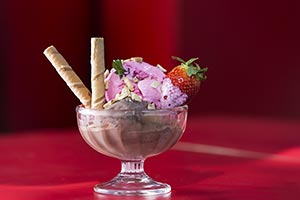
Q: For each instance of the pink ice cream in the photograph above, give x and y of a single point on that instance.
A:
(143, 82)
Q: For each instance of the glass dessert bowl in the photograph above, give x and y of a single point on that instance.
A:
(131, 136)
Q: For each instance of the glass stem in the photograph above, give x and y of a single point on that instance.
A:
(132, 167)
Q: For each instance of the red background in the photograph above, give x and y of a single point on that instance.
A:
(250, 47)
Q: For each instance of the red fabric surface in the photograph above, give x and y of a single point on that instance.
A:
(217, 158)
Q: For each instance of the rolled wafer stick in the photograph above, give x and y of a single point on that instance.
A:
(68, 75)
(97, 72)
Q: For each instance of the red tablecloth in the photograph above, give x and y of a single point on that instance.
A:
(217, 158)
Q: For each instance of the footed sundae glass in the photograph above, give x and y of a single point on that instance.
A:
(131, 136)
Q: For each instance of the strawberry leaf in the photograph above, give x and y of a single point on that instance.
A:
(190, 61)
(118, 66)
(201, 74)
(203, 70)
(192, 68)
(178, 59)
(192, 71)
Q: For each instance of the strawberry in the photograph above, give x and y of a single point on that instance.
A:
(187, 76)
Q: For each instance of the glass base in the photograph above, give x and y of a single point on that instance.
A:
(132, 185)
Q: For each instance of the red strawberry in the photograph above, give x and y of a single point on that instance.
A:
(187, 76)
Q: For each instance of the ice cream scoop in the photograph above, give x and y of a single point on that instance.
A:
(141, 81)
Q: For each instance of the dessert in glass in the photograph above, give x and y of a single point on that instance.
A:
(134, 111)
(131, 136)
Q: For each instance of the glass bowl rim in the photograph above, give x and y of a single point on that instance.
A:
(81, 109)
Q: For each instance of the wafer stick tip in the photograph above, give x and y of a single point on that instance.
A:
(49, 49)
